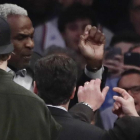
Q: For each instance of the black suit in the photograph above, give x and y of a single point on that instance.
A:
(73, 129)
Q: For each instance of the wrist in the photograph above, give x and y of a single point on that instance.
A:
(94, 65)
(84, 103)
(92, 69)
(134, 114)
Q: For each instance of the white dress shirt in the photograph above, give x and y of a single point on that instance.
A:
(60, 107)
(22, 78)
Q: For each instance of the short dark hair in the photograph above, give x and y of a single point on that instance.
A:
(125, 36)
(127, 72)
(74, 12)
(56, 77)
(78, 58)
(4, 57)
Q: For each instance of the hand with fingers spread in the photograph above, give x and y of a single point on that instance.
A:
(91, 46)
(124, 104)
(91, 94)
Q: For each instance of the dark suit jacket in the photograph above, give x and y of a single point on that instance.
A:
(84, 78)
(127, 128)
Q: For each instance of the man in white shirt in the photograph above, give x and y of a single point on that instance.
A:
(22, 38)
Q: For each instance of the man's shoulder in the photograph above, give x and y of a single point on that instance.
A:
(15, 90)
(71, 124)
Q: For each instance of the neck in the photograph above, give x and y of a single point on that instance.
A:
(65, 106)
(3, 65)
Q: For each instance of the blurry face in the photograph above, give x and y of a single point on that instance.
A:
(22, 38)
(124, 46)
(73, 31)
(131, 83)
(135, 15)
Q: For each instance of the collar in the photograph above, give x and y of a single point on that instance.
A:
(21, 72)
(60, 107)
(4, 74)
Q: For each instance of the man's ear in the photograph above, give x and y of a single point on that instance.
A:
(73, 93)
(9, 57)
(35, 88)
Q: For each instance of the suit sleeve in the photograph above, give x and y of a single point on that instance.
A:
(126, 128)
(80, 111)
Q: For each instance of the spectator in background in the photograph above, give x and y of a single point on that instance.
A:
(120, 44)
(130, 81)
(127, 42)
(52, 36)
(48, 34)
(124, 40)
(71, 24)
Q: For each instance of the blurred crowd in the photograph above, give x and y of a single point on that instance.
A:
(64, 51)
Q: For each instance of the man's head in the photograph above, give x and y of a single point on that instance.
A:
(6, 47)
(55, 77)
(130, 81)
(125, 40)
(134, 9)
(21, 34)
(72, 23)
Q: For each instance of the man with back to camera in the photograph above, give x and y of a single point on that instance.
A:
(23, 115)
(56, 86)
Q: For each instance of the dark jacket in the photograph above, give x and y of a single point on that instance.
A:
(23, 115)
(127, 128)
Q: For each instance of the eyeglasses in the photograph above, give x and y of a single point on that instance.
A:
(133, 90)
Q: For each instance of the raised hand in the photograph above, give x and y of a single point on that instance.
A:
(91, 46)
(91, 93)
